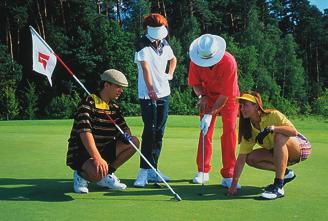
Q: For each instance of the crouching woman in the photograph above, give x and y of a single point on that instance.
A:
(281, 144)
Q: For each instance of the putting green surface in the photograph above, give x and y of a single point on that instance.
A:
(35, 183)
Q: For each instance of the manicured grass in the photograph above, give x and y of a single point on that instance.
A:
(35, 184)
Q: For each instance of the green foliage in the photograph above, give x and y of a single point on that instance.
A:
(179, 81)
(320, 105)
(10, 71)
(31, 102)
(183, 102)
(63, 107)
(291, 73)
(134, 20)
(285, 106)
(189, 31)
(10, 103)
(130, 109)
(280, 46)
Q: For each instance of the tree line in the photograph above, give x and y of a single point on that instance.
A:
(280, 47)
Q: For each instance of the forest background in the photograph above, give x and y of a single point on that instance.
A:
(280, 47)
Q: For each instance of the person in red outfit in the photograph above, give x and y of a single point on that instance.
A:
(213, 76)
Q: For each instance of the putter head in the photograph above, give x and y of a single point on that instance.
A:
(177, 197)
(202, 191)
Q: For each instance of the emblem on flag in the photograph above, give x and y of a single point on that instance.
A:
(43, 58)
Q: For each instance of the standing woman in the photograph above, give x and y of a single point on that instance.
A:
(281, 144)
(153, 53)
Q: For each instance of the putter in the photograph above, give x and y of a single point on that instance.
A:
(203, 166)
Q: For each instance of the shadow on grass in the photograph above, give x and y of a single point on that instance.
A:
(57, 190)
(188, 191)
(46, 190)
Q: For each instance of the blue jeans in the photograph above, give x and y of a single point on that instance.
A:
(154, 115)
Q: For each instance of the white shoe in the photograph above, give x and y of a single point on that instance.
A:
(80, 184)
(273, 192)
(226, 182)
(141, 180)
(153, 177)
(199, 177)
(289, 176)
(112, 182)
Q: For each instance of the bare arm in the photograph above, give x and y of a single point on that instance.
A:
(172, 66)
(285, 130)
(148, 80)
(239, 166)
(218, 105)
(202, 103)
(198, 90)
(89, 143)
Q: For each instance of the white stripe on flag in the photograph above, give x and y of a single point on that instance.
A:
(44, 59)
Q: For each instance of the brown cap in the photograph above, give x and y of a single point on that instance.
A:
(115, 77)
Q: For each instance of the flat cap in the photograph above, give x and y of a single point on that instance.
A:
(115, 77)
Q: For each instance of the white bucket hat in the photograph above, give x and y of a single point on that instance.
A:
(207, 50)
(157, 33)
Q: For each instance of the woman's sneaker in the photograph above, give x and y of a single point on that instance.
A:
(289, 176)
(112, 182)
(273, 192)
(80, 184)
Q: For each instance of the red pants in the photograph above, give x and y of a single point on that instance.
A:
(228, 142)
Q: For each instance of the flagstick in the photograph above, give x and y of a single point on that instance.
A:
(69, 71)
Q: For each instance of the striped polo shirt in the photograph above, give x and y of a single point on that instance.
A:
(91, 116)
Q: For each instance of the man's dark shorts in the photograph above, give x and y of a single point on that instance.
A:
(108, 153)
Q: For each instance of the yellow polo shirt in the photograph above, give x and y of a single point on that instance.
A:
(274, 118)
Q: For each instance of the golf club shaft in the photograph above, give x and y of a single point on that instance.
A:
(203, 158)
(143, 157)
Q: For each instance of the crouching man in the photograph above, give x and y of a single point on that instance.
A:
(96, 148)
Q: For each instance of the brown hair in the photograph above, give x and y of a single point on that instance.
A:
(245, 127)
(154, 20)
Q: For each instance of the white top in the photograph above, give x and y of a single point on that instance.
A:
(157, 60)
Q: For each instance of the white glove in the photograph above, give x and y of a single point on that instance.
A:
(205, 123)
(169, 76)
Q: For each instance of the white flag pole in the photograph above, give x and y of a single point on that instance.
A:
(71, 73)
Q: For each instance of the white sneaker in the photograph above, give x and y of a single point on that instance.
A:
(80, 184)
(289, 176)
(153, 177)
(273, 192)
(112, 182)
(226, 182)
(199, 177)
(141, 180)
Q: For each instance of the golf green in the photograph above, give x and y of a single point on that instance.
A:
(35, 183)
